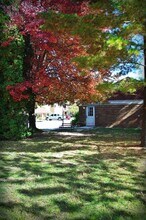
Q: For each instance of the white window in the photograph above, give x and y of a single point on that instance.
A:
(90, 111)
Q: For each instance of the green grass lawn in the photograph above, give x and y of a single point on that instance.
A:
(92, 175)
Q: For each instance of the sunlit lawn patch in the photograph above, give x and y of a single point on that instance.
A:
(97, 174)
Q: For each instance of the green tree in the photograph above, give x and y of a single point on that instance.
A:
(109, 31)
(13, 118)
(73, 109)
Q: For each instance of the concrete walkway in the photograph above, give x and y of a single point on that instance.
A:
(70, 129)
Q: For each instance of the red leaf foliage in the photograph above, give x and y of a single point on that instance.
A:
(52, 77)
(7, 42)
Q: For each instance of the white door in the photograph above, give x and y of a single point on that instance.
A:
(90, 116)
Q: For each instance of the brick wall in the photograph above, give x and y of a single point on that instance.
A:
(82, 115)
(108, 115)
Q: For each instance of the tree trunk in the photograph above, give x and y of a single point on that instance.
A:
(143, 134)
(27, 73)
(31, 114)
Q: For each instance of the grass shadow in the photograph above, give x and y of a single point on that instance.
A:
(92, 176)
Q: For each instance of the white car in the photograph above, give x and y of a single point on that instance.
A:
(54, 117)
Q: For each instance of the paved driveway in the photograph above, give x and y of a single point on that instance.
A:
(54, 124)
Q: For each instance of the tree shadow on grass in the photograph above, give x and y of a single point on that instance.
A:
(43, 191)
(56, 142)
(10, 204)
(12, 211)
(65, 206)
(89, 178)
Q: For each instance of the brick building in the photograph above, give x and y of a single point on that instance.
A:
(119, 111)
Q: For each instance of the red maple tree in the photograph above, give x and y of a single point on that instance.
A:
(49, 73)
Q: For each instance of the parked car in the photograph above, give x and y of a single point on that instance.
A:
(54, 117)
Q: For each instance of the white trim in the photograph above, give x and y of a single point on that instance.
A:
(117, 102)
(128, 102)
